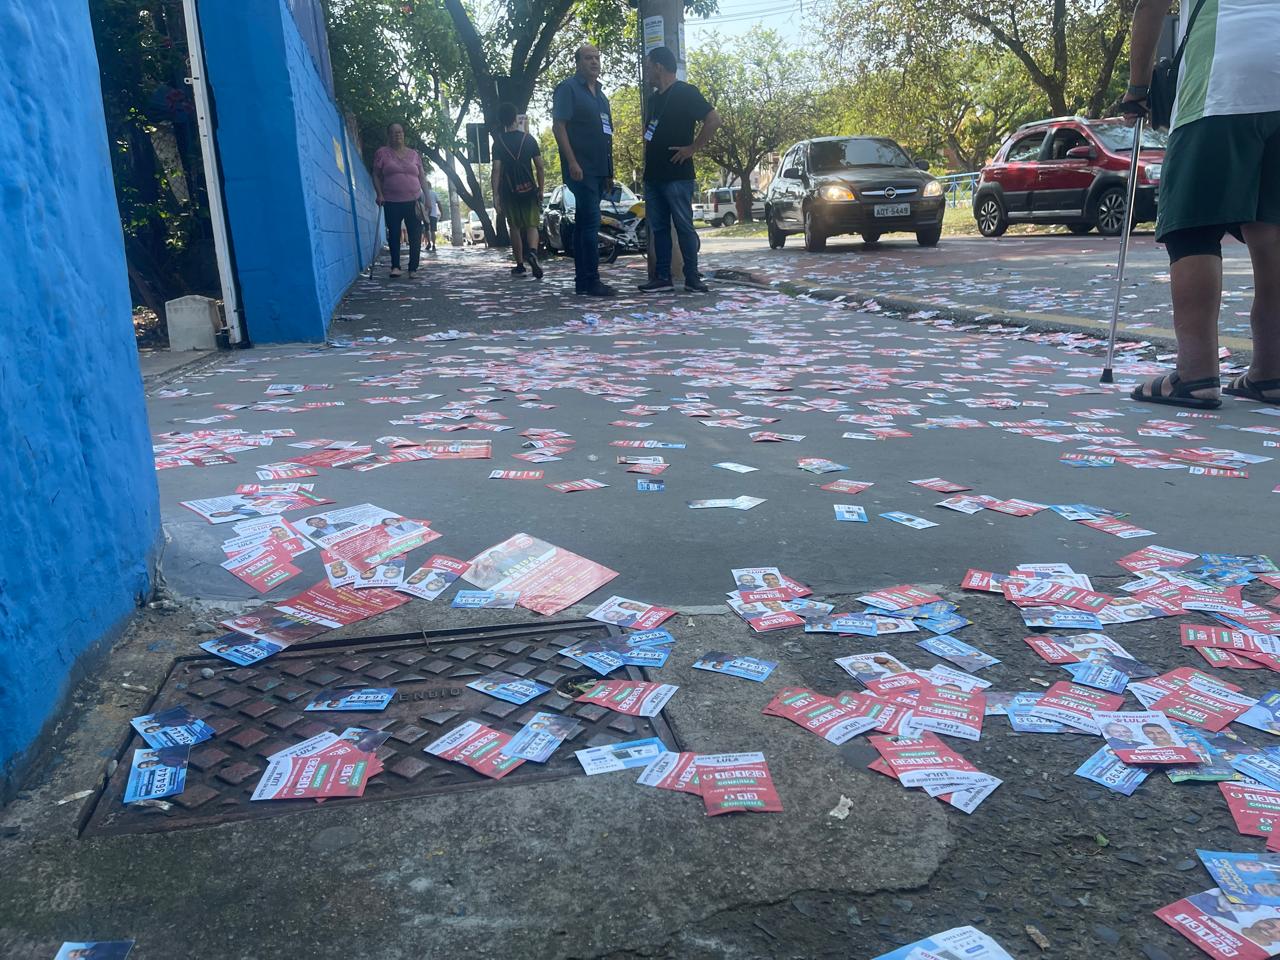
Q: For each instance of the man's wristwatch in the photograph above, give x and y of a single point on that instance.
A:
(1138, 91)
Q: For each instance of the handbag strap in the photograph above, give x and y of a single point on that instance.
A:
(1186, 34)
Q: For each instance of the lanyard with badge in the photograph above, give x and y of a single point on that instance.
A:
(652, 126)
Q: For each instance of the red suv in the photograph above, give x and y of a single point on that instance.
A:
(1071, 171)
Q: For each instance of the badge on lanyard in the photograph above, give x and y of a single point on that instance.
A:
(606, 124)
(650, 130)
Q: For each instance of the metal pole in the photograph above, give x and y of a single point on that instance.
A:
(1108, 375)
(212, 175)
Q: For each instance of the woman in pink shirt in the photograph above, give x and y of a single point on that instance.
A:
(399, 180)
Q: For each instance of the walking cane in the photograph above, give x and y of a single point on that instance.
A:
(1107, 374)
(377, 246)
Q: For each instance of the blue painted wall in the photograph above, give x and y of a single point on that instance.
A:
(78, 501)
(287, 172)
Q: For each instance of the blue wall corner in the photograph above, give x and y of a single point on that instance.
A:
(79, 508)
(288, 173)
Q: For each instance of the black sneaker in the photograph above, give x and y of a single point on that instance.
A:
(518, 270)
(599, 290)
(531, 258)
(656, 285)
(696, 286)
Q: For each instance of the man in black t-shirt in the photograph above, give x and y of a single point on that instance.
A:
(674, 109)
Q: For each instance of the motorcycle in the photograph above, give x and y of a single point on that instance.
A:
(622, 230)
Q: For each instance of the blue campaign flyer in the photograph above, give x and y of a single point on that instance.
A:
(1265, 715)
(486, 599)
(176, 727)
(157, 773)
(508, 687)
(850, 512)
(1097, 676)
(967, 942)
(538, 739)
(241, 650)
(1263, 767)
(595, 656)
(958, 652)
(95, 950)
(620, 756)
(1105, 768)
(366, 698)
(748, 668)
(1245, 877)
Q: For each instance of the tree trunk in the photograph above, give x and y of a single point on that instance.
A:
(744, 196)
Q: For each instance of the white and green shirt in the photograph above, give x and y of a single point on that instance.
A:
(1232, 61)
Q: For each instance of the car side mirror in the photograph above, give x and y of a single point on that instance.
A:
(922, 164)
(791, 173)
(1082, 152)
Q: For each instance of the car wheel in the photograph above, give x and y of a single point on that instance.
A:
(1079, 229)
(991, 218)
(815, 241)
(871, 238)
(777, 239)
(929, 236)
(1110, 212)
(729, 220)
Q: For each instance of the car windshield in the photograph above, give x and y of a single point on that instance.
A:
(1118, 137)
(845, 154)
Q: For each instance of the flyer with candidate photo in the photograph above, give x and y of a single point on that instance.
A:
(433, 577)
(1143, 738)
(632, 614)
(747, 668)
(865, 667)
(485, 599)
(175, 727)
(508, 687)
(1248, 878)
(95, 950)
(241, 650)
(388, 574)
(365, 535)
(958, 652)
(538, 739)
(958, 943)
(365, 698)
(157, 773)
(1223, 929)
(548, 578)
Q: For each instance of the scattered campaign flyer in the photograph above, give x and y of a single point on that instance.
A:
(433, 577)
(548, 578)
(365, 535)
(95, 950)
(953, 713)
(632, 614)
(636, 698)
(938, 485)
(263, 567)
(850, 512)
(1215, 752)
(647, 648)
(1074, 705)
(736, 782)
(748, 668)
(508, 687)
(953, 944)
(736, 467)
(925, 761)
(827, 717)
(486, 599)
(175, 727)
(958, 652)
(1256, 810)
(672, 771)
(337, 571)
(908, 520)
(1143, 738)
(365, 698)
(476, 746)
(1249, 878)
(1210, 706)
(819, 465)
(240, 649)
(239, 506)
(1262, 766)
(1264, 715)
(899, 599)
(1108, 770)
(865, 667)
(619, 756)
(157, 773)
(538, 739)
(328, 765)
(388, 574)
(845, 623)
(846, 486)
(574, 486)
(1223, 929)
(1098, 676)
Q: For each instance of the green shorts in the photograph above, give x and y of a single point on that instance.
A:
(522, 212)
(1221, 171)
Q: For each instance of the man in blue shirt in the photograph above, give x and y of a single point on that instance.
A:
(583, 126)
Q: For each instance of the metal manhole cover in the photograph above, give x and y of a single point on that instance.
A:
(257, 711)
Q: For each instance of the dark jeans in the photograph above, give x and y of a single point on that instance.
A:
(586, 231)
(396, 214)
(669, 203)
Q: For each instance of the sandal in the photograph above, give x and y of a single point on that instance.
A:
(1257, 390)
(1180, 392)
(395, 272)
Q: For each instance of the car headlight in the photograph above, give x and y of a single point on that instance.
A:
(833, 192)
(933, 188)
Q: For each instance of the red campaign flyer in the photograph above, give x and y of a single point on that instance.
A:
(897, 684)
(952, 713)
(1225, 659)
(338, 606)
(983, 580)
(340, 769)
(573, 486)
(1195, 635)
(1195, 704)
(846, 486)
(1256, 810)
(899, 598)
(635, 698)
(1144, 738)
(941, 486)
(366, 535)
(515, 474)
(826, 717)
(1152, 557)
(632, 614)
(476, 746)
(1016, 508)
(1225, 930)
(927, 762)
(548, 578)
(888, 716)
(672, 771)
(1118, 528)
(653, 469)
(736, 782)
(1074, 705)
(263, 567)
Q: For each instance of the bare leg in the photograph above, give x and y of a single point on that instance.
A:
(1196, 282)
(1264, 250)
(531, 239)
(517, 242)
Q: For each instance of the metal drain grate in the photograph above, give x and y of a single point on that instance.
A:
(257, 711)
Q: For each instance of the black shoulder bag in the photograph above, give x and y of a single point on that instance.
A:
(1164, 80)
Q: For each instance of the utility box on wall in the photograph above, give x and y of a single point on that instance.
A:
(193, 323)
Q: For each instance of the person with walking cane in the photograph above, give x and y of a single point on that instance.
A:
(1221, 175)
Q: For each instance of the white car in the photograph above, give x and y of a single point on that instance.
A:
(472, 229)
